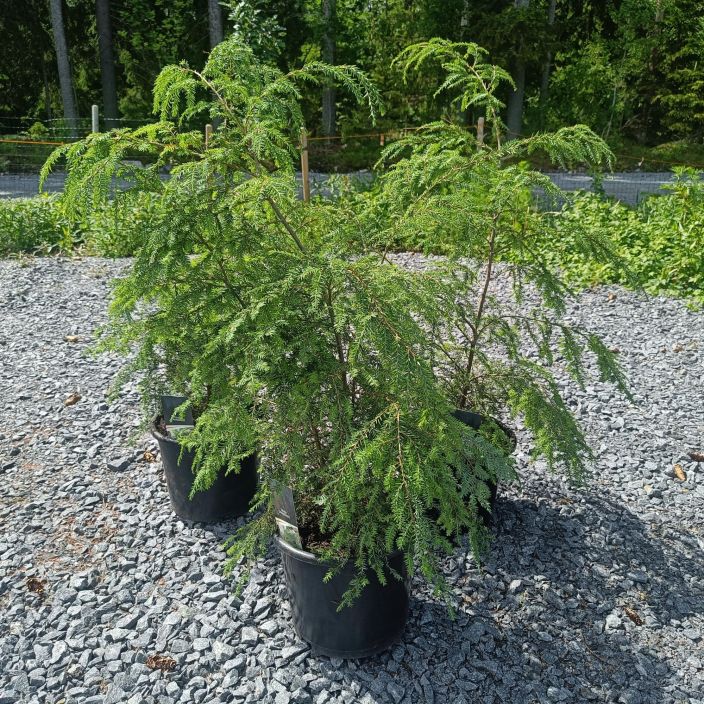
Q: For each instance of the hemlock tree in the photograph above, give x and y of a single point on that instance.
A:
(291, 331)
(284, 328)
(496, 342)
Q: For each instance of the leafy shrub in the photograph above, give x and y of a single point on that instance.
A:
(117, 228)
(660, 241)
(42, 225)
(35, 224)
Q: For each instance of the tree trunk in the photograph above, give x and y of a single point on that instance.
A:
(464, 18)
(547, 67)
(107, 63)
(64, 66)
(329, 51)
(514, 108)
(215, 22)
(47, 87)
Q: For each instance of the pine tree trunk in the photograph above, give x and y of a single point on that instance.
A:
(64, 66)
(514, 107)
(215, 22)
(329, 51)
(547, 67)
(107, 63)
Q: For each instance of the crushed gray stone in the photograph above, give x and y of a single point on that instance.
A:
(588, 595)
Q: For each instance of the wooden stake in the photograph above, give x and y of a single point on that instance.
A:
(480, 132)
(208, 134)
(381, 139)
(304, 165)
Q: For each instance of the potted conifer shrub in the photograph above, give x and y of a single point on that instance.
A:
(502, 305)
(158, 311)
(174, 332)
(292, 335)
(308, 344)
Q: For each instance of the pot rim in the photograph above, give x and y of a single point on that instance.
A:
(158, 435)
(510, 432)
(309, 557)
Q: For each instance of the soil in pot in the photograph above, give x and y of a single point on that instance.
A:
(229, 497)
(375, 621)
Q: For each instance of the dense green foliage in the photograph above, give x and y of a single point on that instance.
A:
(43, 225)
(34, 225)
(291, 331)
(660, 241)
(477, 202)
(629, 69)
(119, 227)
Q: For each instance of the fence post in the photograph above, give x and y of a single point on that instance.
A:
(208, 134)
(94, 119)
(304, 165)
(480, 132)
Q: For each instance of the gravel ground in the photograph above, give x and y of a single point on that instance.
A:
(588, 596)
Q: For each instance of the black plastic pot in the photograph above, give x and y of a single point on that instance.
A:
(475, 420)
(229, 497)
(374, 622)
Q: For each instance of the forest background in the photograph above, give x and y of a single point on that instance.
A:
(632, 70)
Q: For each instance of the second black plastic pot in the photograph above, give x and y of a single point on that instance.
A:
(375, 621)
(475, 421)
(229, 496)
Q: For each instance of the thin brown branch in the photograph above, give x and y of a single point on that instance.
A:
(338, 340)
(480, 310)
(226, 279)
(287, 225)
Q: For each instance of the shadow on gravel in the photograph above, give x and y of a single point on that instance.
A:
(593, 578)
(569, 598)
(578, 602)
(599, 544)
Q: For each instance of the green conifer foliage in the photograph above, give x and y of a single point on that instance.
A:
(284, 328)
(495, 350)
(293, 333)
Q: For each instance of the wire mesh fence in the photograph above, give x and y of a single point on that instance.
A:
(25, 144)
(60, 129)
